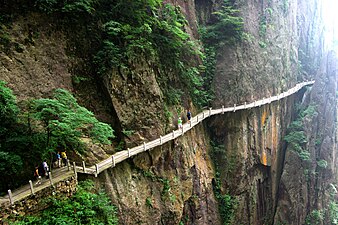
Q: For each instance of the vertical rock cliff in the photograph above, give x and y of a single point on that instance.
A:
(235, 168)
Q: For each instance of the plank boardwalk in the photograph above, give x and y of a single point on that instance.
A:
(64, 173)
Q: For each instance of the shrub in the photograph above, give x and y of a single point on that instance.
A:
(86, 206)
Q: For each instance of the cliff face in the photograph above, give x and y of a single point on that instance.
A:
(309, 186)
(245, 151)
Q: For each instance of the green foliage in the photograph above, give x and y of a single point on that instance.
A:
(227, 204)
(322, 163)
(314, 218)
(74, 7)
(8, 108)
(296, 137)
(128, 132)
(149, 202)
(65, 122)
(285, 6)
(310, 111)
(173, 96)
(226, 27)
(86, 206)
(333, 212)
(30, 137)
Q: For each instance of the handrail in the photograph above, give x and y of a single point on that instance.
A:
(146, 146)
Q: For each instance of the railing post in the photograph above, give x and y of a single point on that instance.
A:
(209, 111)
(10, 197)
(50, 178)
(173, 134)
(254, 104)
(31, 186)
(203, 115)
(197, 119)
(182, 130)
(113, 160)
(244, 105)
(144, 146)
(234, 107)
(222, 109)
(160, 140)
(128, 152)
(84, 166)
(96, 170)
(74, 168)
(68, 164)
(270, 99)
(277, 97)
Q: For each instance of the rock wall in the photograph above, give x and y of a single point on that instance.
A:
(166, 185)
(250, 157)
(309, 186)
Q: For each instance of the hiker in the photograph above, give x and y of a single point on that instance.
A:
(179, 123)
(189, 115)
(45, 168)
(58, 159)
(64, 157)
(37, 175)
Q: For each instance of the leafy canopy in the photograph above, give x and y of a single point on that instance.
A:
(8, 108)
(65, 121)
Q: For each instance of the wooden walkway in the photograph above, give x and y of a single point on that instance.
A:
(120, 156)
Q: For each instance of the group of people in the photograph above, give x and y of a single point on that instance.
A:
(180, 122)
(60, 158)
(43, 170)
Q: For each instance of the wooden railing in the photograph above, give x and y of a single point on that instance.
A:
(146, 146)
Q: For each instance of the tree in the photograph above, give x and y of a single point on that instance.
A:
(8, 108)
(64, 122)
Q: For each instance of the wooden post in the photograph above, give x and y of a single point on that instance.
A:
(222, 109)
(209, 111)
(128, 152)
(96, 170)
(234, 107)
(10, 197)
(31, 186)
(160, 140)
(74, 168)
(197, 119)
(50, 178)
(144, 146)
(173, 134)
(84, 166)
(113, 159)
(244, 105)
(203, 115)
